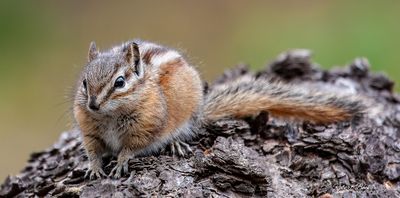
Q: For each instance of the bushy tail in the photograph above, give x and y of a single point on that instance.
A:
(246, 97)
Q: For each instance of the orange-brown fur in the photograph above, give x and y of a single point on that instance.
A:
(182, 97)
(325, 114)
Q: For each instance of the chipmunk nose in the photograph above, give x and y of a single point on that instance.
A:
(92, 103)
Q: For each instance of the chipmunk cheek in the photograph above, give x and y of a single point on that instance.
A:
(117, 96)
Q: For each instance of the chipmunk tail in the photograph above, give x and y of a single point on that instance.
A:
(248, 96)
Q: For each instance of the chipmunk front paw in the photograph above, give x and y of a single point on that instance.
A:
(179, 148)
(119, 169)
(95, 172)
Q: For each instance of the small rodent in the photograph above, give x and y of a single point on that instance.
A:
(139, 97)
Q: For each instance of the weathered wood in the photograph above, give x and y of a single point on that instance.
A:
(258, 157)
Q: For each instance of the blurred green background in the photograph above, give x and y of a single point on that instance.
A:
(43, 46)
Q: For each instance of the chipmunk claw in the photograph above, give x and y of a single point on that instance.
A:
(179, 148)
(119, 169)
(94, 173)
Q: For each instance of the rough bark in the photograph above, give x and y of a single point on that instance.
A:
(260, 156)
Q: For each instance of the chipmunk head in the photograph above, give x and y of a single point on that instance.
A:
(110, 79)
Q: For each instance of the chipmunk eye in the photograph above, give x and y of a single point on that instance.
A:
(119, 82)
(84, 84)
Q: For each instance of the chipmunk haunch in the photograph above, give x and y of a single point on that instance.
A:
(139, 97)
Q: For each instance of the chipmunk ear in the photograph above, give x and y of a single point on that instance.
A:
(132, 56)
(93, 52)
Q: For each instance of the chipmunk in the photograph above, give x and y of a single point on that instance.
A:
(139, 97)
